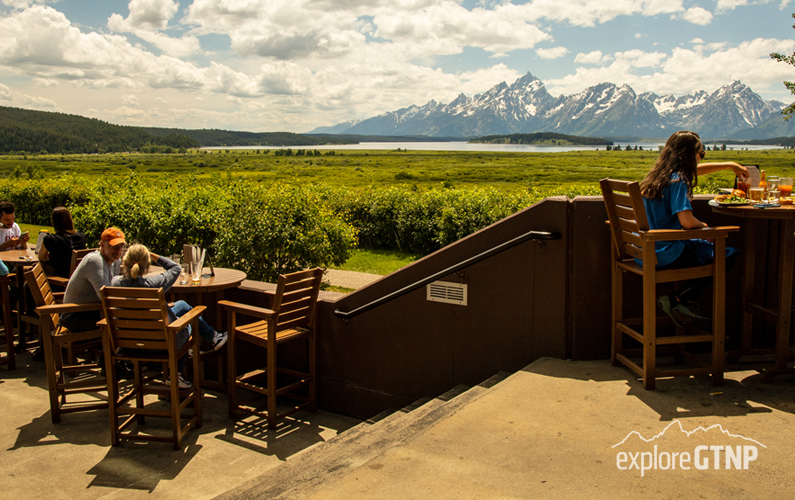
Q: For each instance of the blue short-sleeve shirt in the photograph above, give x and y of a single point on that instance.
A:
(661, 213)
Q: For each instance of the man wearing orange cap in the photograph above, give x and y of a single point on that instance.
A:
(94, 271)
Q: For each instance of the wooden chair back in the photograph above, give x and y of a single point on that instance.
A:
(77, 256)
(137, 330)
(627, 216)
(295, 299)
(137, 318)
(41, 291)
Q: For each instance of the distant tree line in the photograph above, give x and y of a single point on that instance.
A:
(216, 138)
(40, 131)
(24, 130)
(547, 138)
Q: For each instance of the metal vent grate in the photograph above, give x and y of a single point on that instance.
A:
(450, 293)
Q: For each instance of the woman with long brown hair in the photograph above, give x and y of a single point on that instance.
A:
(57, 248)
(667, 193)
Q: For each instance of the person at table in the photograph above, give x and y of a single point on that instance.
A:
(57, 248)
(94, 271)
(134, 268)
(11, 237)
(667, 193)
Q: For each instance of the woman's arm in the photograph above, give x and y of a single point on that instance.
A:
(688, 220)
(708, 168)
(168, 277)
(44, 254)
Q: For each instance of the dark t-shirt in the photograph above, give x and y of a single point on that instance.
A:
(60, 248)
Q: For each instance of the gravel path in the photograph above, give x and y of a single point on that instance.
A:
(350, 279)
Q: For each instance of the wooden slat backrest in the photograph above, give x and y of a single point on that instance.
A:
(40, 290)
(627, 216)
(296, 296)
(77, 256)
(137, 317)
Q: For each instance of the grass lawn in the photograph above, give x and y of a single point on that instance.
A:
(34, 231)
(383, 262)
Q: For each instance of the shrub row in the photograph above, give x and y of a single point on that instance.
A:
(267, 229)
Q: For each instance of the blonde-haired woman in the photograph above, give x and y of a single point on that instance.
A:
(135, 265)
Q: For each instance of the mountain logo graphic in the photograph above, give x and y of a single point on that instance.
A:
(688, 433)
(703, 457)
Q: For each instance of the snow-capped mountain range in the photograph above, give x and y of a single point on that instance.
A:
(604, 110)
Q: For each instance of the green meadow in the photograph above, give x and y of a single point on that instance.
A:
(360, 168)
(403, 204)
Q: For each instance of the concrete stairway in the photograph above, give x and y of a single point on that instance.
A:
(306, 473)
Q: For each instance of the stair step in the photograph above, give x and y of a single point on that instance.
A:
(308, 471)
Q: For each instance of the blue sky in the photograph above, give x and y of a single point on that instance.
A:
(293, 65)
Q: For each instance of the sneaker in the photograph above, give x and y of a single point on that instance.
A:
(219, 339)
(183, 384)
(664, 302)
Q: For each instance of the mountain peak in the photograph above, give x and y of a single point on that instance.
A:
(603, 110)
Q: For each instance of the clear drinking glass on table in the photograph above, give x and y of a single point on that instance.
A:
(196, 272)
(756, 194)
(184, 277)
(773, 190)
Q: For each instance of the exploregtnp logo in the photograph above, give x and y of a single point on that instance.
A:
(674, 448)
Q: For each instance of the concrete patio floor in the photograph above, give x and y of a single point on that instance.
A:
(552, 430)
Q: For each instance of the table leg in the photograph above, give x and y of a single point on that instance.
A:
(786, 252)
(748, 281)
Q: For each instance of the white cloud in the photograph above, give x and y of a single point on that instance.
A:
(146, 18)
(9, 97)
(594, 57)
(553, 53)
(683, 71)
(41, 42)
(144, 14)
(698, 15)
(640, 35)
(177, 47)
(697, 40)
(475, 82)
(129, 100)
(724, 5)
(24, 4)
(284, 78)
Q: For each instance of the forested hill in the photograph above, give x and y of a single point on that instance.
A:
(37, 131)
(213, 138)
(542, 138)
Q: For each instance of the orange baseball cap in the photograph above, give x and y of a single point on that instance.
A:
(113, 236)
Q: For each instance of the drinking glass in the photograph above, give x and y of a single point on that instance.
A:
(196, 272)
(785, 186)
(184, 276)
(756, 194)
(773, 191)
(743, 186)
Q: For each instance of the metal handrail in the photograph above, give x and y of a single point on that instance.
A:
(532, 235)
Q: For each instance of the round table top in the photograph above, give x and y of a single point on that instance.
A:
(224, 278)
(28, 256)
(751, 212)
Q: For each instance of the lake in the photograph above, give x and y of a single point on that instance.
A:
(486, 148)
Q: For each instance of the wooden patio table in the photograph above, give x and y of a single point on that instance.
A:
(20, 259)
(780, 315)
(209, 291)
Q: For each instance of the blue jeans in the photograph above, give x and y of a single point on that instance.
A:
(180, 308)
